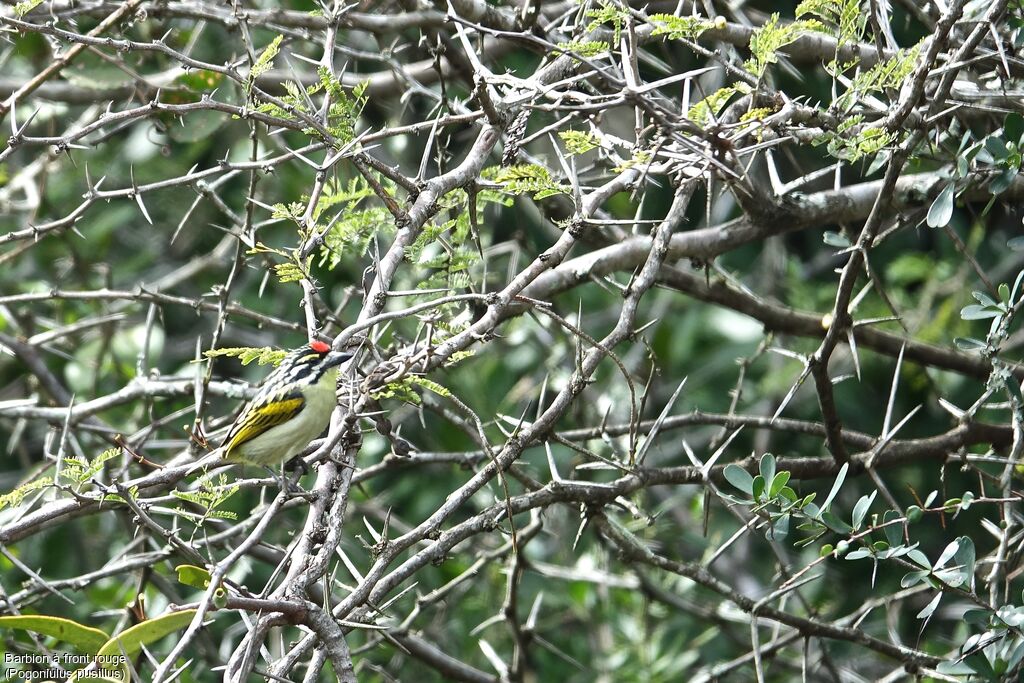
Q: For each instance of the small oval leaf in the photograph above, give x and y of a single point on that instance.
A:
(738, 477)
(757, 488)
(767, 467)
(941, 209)
(930, 607)
(893, 531)
(778, 482)
(836, 486)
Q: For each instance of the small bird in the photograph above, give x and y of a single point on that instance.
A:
(291, 408)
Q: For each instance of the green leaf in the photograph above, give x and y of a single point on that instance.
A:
(770, 37)
(739, 478)
(353, 234)
(401, 390)
(130, 641)
(1001, 183)
(976, 312)
(430, 384)
(767, 467)
(914, 514)
(529, 178)
(860, 510)
(291, 271)
(549, 192)
(585, 48)
(85, 639)
(948, 553)
(913, 578)
(919, 558)
(191, 575)
(890, 73)
(757, 488)
(578, 142)
(23, 8)
(834, 239)
(1016, 656)
(977, 617)
(965, 559)
(607, 13)
(778, 482)
(980, 664)
(840, 478)
(963, 166)
(15, 497)
(262, 355)
(208, 497)
(954, 668)
(757, 114)
(1013, 127)
(996, 147)
(893, 532)
(346, 105)
(197, 577)
(679, 28)
(941, 209)
(844, 16)
(969, 344)
(930, 607)
(704, 111)
(863, 142)
(834, 523)
(265, 61)
(984, 299)
(780, 529)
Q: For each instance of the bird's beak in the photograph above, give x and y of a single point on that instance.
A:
(336, 358)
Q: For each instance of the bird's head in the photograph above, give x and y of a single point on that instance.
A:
(307, 364)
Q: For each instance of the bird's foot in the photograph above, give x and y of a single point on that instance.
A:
(291, 487)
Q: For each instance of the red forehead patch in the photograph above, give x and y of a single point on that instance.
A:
(320, 347)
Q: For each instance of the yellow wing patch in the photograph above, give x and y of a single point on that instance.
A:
(260, 419)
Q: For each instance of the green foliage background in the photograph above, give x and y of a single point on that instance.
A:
(594, 614)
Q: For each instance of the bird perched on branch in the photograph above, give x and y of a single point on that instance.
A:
(290, 409)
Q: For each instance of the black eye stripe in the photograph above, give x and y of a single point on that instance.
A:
(299, 368)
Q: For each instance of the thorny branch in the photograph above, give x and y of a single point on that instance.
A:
(387, 181)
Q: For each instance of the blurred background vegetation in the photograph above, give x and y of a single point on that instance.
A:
(130, 290)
